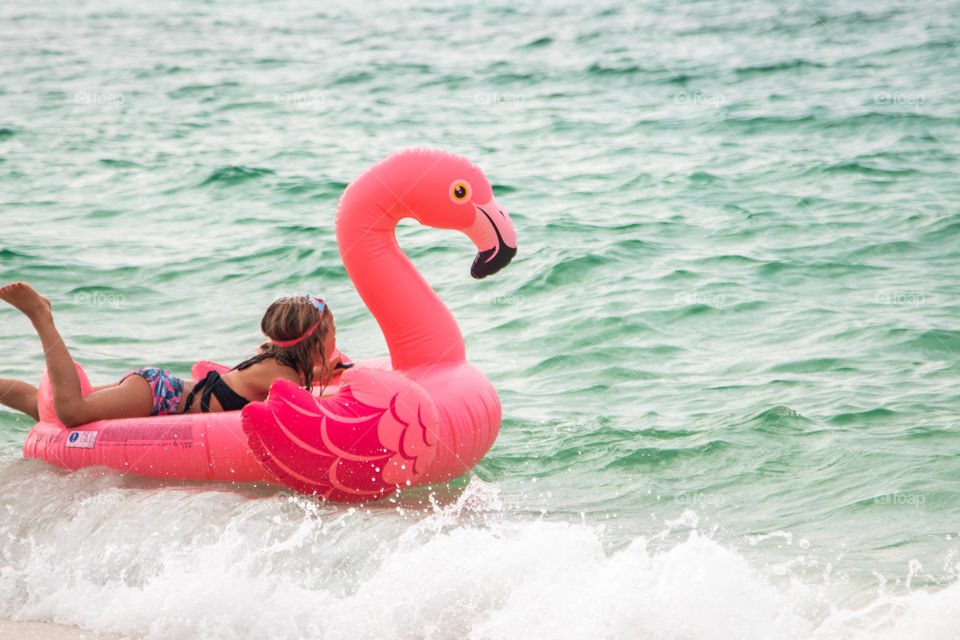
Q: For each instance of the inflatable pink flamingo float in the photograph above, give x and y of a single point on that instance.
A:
(426, 417)
(434, 415)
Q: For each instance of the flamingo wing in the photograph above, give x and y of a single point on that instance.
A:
(376, 435)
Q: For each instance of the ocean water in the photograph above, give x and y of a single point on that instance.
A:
(727, 350)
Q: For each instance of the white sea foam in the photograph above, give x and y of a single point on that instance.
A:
(187, 562)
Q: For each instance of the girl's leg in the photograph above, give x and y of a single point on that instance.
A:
(132, 399)
(20, 396)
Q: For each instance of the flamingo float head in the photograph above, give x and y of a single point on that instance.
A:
(446, 191)
(440, 190)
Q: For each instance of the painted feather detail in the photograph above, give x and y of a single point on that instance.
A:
(373, 437)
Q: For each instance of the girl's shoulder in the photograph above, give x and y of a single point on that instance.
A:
(253, 382)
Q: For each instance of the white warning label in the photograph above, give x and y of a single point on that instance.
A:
(82, 439)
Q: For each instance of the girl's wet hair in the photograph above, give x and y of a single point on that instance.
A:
(288, 319)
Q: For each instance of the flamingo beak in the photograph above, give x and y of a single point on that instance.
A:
(496, 240)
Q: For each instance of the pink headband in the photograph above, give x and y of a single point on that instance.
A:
(290, 343)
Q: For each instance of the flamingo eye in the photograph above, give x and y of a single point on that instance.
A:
(459, 191)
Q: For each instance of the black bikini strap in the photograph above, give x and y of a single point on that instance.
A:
(213, 385)
(204, 398)
(208, 391)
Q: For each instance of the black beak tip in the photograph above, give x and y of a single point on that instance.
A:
(484, 266)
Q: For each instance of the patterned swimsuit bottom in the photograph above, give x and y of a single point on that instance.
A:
(167, 389)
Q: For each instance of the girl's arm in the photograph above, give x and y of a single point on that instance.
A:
(335, 366)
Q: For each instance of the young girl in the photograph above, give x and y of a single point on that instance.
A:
(301, 348)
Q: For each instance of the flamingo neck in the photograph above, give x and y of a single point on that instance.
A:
(417, 325)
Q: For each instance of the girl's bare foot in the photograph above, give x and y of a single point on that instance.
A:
(23, 297)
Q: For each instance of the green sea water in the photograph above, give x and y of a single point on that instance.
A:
(727, 350)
